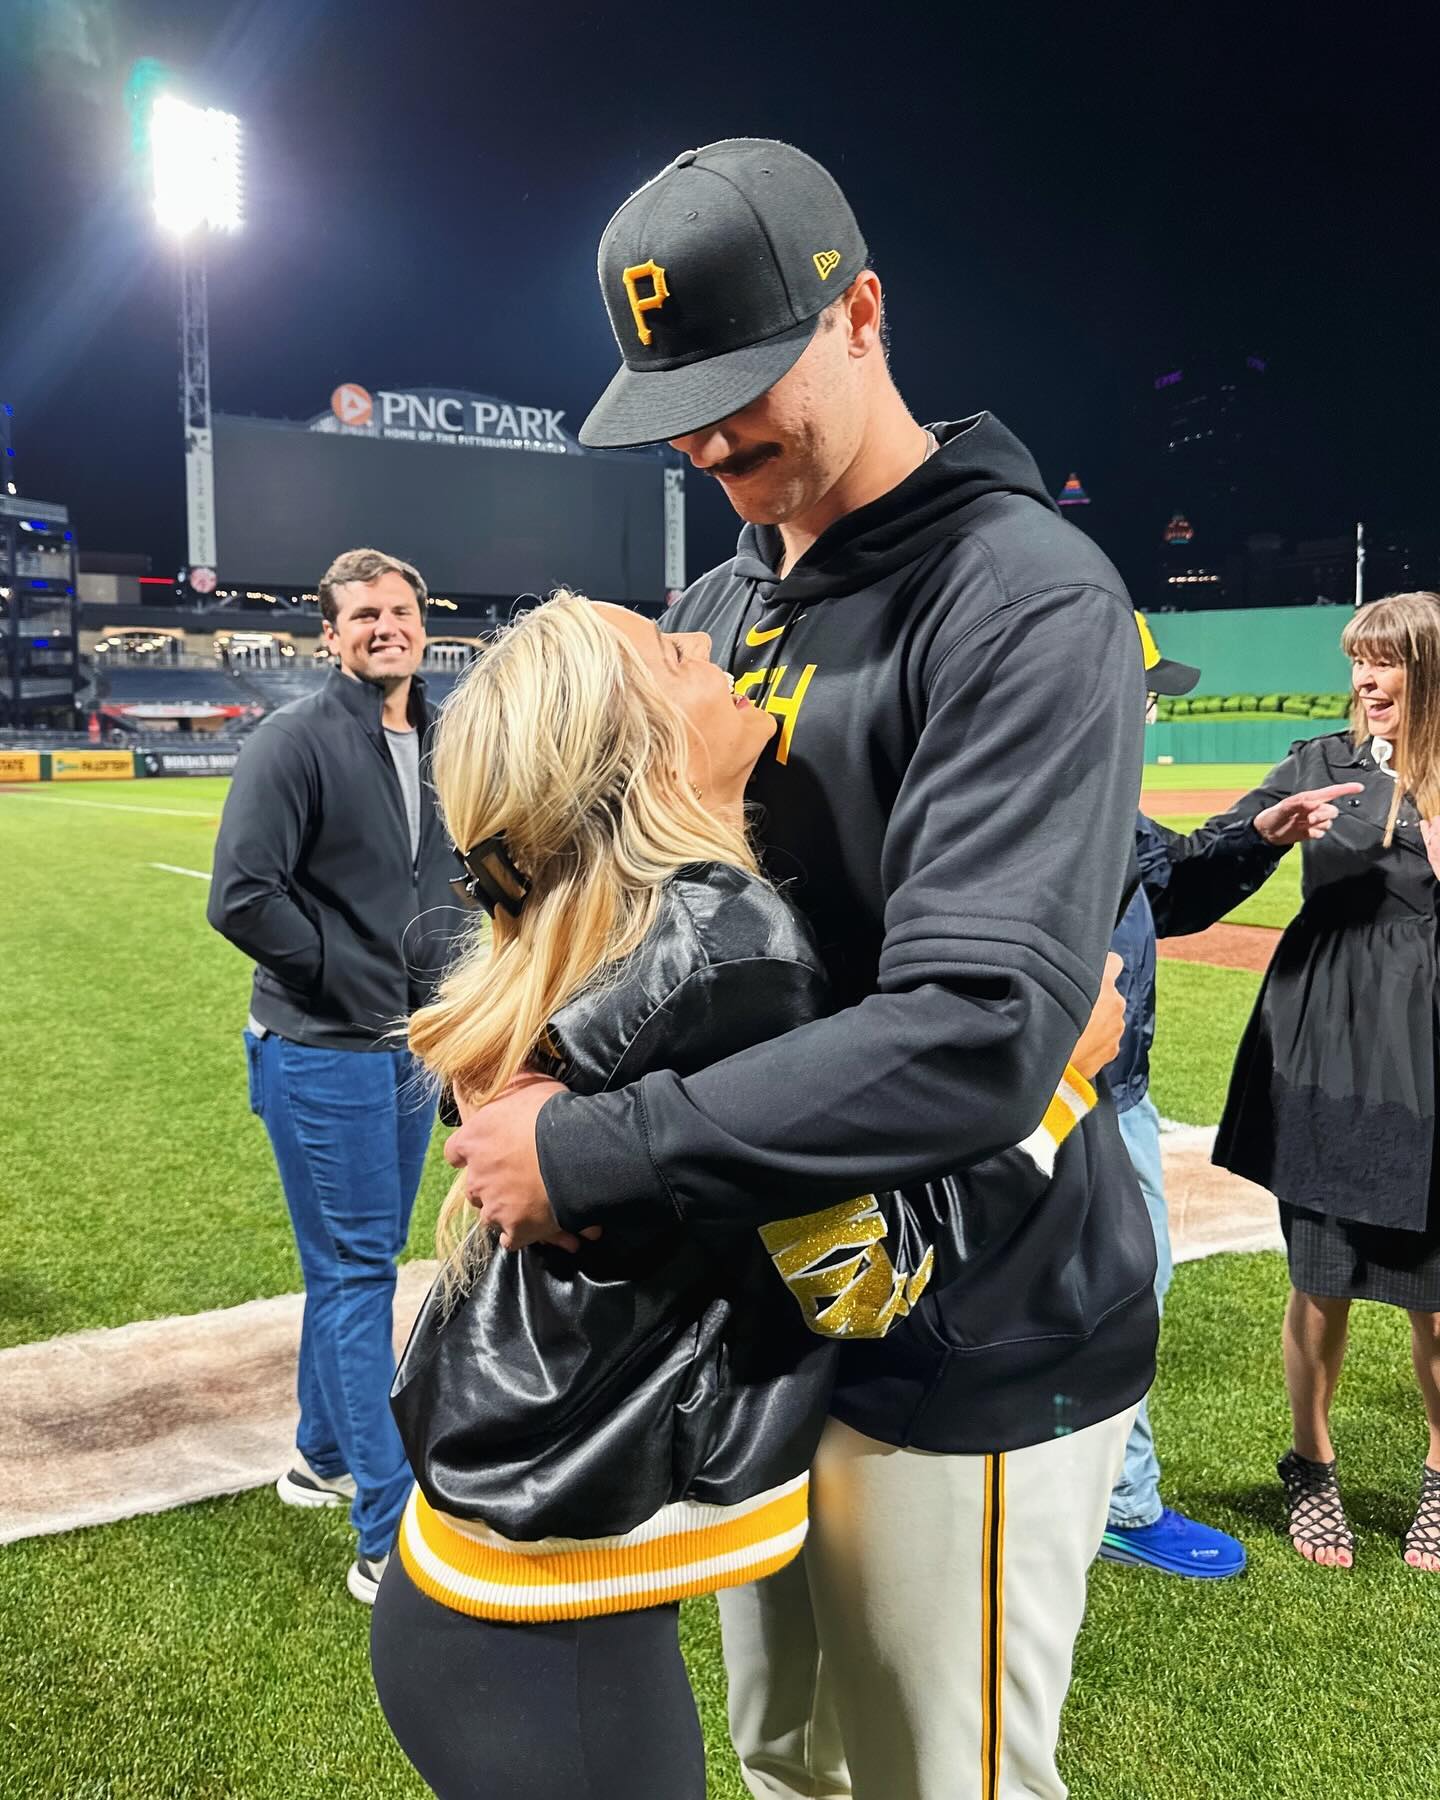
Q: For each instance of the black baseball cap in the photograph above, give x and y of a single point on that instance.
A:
(715, 275)
(1161, 675)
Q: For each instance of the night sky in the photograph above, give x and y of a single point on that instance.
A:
(1061, 201)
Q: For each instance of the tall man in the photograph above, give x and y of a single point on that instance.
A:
(332, 872)
(952, 793)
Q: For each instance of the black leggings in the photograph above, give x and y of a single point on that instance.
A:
(573, 1709)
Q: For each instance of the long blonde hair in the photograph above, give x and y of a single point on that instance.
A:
(560, 738)
(1404, 629)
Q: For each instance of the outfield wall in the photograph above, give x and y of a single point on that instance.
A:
(111, 765)
(1245, 741)
(1259, 650)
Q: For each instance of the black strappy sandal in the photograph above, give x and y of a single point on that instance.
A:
(1317, 1516)
(1423, 1537)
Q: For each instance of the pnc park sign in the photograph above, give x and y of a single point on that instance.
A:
(445, 416)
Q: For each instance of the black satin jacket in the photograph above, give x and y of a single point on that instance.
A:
(575, 1395)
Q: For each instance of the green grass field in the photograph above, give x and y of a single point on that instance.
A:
(212, 1652)
(1173, 778)
(136, 1181)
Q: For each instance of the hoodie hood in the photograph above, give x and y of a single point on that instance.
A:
(977, 457)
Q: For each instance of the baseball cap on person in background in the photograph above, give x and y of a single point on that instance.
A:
(1161, 675)
(715, 275)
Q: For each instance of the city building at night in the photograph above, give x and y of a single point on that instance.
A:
(1211, 426)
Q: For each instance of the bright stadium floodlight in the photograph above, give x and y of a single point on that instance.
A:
(195, 156)
(195, 152)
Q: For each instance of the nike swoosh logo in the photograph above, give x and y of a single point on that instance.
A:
(754, 637)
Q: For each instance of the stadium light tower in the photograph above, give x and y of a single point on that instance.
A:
(196, 156)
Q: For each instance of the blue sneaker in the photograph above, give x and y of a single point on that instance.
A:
(1176, 1546)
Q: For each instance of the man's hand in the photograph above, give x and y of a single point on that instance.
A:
(496, 1148)
(1100, 1042)
(1303, 817)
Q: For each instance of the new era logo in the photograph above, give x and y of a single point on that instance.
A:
(826, 263)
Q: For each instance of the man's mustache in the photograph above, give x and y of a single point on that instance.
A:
(743, 462)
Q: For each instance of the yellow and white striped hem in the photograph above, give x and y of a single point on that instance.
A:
(686, 1549)
(1073, 1099)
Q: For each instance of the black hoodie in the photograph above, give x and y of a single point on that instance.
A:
(951, 800)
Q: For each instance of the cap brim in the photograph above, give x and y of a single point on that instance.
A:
(1171, 678)
(643, 406)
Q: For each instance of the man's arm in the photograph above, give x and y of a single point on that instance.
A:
(1193, 881)
(263, 828)
(1003, 863)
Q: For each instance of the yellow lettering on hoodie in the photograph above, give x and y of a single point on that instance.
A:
(786, 707)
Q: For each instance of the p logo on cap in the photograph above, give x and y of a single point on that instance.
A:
(640, 304)
(715, 274)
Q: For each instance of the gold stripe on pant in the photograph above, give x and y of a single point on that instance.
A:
(920, 1647)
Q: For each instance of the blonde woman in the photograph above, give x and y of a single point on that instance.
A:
(602, 1429)
(1332, 1104)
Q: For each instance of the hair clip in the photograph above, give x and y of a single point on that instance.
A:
(494, 880)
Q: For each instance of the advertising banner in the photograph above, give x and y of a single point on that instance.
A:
(92, 765)
(186, 762)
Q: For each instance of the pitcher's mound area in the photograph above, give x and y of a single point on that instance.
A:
(1225, 947)
(1159, 802)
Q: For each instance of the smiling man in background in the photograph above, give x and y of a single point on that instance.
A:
(332, 872)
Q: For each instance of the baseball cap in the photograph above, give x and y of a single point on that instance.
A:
(1161, 675)
(715, 275)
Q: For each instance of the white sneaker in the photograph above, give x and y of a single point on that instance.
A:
(301, 1486)
(363, 1577)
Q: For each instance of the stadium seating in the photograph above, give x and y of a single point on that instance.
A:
(274, 687)
(130, 684)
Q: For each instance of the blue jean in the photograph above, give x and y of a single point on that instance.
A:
(1136, 1497)
(350, 1130)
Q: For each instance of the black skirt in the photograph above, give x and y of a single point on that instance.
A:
(1338, 1259)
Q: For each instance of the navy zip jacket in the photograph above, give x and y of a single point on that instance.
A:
(950, 800)
(314, 879)
(1186, 884)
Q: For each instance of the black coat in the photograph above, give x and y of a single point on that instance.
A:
(314, 877)
(1186, 885)
(1332, 1101)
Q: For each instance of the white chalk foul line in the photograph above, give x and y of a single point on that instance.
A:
(173, 869)
(159, 812)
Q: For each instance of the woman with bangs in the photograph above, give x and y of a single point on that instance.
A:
(1332, 1103)
(599, 1429)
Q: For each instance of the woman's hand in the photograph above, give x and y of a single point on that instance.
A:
(1303, 817)
(1430, 831)
(1100, 1041)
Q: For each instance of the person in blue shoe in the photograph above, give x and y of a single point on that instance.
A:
(1186, 884)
